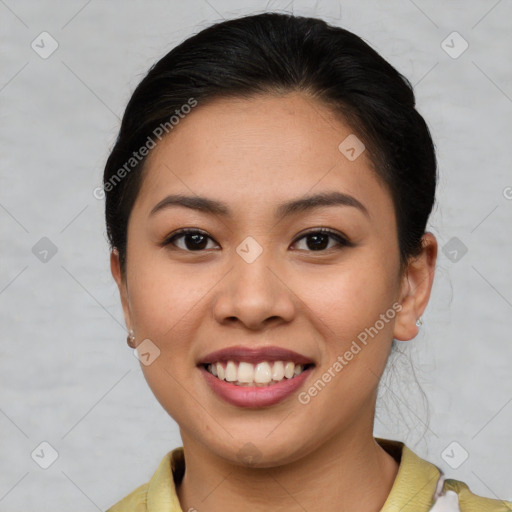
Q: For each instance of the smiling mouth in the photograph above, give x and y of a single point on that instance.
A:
(262, 374)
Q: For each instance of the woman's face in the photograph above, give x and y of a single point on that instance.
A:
(255, 280)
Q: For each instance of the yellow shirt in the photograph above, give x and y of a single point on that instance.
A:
(419, 487)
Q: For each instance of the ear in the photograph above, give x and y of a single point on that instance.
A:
(415, 289)
(115, 268)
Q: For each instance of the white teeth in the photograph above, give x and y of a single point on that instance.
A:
(278, 371)
(288, 370)
(245, 372)
(231, 372)
(262, 374)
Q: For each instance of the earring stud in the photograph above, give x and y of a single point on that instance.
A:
(419, 322)
(130, 339)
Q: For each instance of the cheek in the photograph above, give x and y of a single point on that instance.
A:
(345, 308)
(163, 296)
(169, 303)
(346, 311)
(164, 301)
(346, 299)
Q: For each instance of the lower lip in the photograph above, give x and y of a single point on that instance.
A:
(254, 396)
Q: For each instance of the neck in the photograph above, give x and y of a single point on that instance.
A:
(346, 473)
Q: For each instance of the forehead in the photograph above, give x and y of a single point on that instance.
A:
(260, 151)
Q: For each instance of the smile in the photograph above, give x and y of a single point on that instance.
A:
(265, 373)
(254, 376)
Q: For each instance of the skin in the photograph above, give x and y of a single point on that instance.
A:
(253, 154)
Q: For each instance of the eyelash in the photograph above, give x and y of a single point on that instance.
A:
(340, 240)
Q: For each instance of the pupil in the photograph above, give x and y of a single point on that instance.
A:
(196, 238)
(321, 245)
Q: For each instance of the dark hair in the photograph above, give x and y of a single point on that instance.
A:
(278, 53)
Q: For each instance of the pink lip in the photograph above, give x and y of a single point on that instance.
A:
(254, 396)
(254, 355)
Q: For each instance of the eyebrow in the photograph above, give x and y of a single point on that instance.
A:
(286, 209)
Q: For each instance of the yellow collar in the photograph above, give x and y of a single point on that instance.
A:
(415, 483)
(412, 491)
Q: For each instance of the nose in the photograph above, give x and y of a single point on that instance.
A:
(254, 295)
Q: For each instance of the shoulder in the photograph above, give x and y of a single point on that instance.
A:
(469, 502)
(136, 501)
(160, 492)
(421, 486)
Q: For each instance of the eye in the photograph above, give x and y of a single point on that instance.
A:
(195, 239)
(318, 240)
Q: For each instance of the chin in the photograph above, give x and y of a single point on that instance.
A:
(261, 452)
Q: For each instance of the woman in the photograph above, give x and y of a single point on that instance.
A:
(266, 206)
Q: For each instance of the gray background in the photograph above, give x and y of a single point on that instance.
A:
(68, 377)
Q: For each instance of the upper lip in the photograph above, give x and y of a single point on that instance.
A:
(254, 355)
